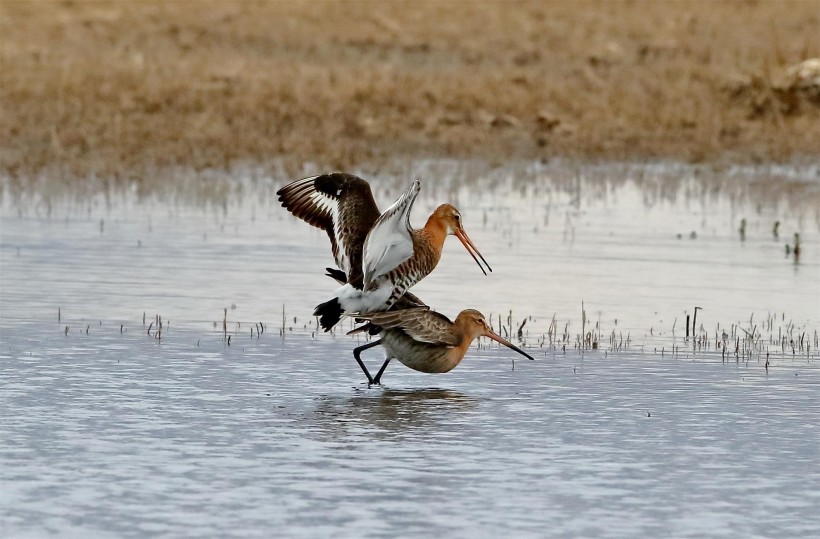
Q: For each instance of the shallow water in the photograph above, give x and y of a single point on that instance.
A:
(555, 239)
(110, 429)
(111, 434)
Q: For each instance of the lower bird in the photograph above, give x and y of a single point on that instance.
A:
(423, 339)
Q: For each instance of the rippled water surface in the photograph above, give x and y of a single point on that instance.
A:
(110, 429)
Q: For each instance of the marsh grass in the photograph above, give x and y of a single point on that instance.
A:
(767, 343)
(136, 89)
(774, 338)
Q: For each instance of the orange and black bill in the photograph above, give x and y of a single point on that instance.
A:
(471, 248)
(497, 338)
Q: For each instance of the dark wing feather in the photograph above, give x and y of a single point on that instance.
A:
(419, 323)
(338, 275)
(301, 199)
(343, 206)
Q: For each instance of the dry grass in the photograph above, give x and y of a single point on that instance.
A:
(120, 88)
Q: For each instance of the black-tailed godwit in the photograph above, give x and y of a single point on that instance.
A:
(381, 255)
(423, 339)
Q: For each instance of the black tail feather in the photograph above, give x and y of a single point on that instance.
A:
(329, 313)
(339, 275)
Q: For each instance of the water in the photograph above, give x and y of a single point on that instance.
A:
(111, 434)
(112, 430)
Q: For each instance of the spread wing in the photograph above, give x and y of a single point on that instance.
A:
(419, 323)
(390, 241)
(343, 206)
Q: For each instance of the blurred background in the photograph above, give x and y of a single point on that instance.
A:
(117, 89)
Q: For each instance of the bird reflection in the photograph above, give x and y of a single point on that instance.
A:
(391, 411)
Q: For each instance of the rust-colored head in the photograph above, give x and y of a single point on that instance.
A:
(473, 324)
(449, 218)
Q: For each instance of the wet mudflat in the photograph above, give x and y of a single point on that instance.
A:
(111, 428)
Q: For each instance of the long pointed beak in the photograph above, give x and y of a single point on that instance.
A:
(497, 338)
(471, 248)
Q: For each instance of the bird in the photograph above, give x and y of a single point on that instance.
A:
(378, 254)
(423, 339)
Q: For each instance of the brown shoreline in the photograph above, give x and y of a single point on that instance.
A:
(118, 89)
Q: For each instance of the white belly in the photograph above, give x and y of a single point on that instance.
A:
(358, 301)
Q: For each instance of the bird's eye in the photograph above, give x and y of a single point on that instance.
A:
(458, 218)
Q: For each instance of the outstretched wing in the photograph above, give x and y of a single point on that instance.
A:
(343, 206)
(390, 241)
(419, 323)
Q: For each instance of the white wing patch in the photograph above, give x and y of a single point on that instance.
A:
(342, 261)
(316, 207)
(389, 242)
(320, 203)
(323, 203)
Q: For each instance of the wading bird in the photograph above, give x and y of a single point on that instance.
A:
(378, 254)
(423, 339)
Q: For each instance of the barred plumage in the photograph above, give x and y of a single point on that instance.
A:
(381, 255)
(425, 340)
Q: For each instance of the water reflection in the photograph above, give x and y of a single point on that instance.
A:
(639, 244)
(793, 187)
(205, 441)
(389, 411)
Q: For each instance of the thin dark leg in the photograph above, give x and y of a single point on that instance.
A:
(378, 378)
(356, 353)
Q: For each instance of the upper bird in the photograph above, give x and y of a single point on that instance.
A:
(423, 339)
(381, 255)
